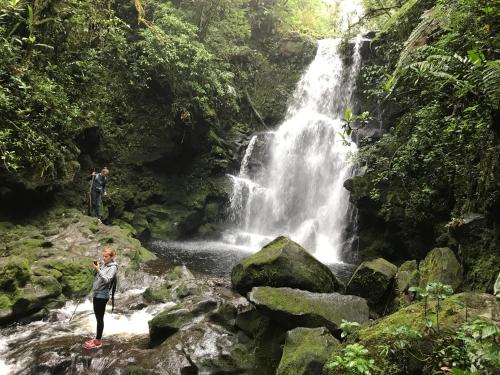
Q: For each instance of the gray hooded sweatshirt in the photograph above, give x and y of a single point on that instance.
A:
(103, 279)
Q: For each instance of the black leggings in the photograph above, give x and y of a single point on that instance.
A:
(99, 309)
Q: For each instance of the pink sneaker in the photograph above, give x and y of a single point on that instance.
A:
(92, 344)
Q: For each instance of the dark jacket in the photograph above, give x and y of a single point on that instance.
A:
(99, 183)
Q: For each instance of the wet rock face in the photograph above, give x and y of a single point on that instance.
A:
(170, 321)
(283, 263)
(198, 334)
(293, 307)
(202, 349)
(180, 283)
(476, 238)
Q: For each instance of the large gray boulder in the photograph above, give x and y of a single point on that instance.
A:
(293, 308)
(283, 263)
(441, 265)
(372, 280)
(306, 350)
(202, 348)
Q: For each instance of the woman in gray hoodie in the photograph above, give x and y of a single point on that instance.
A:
(103, 282)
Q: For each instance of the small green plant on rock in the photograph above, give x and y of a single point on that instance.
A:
(349, 330)
(348, 124)
(437, 291)
(351, 361)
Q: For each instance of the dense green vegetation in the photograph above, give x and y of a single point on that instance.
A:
(150, 72)
(445, 79)
(433, 80)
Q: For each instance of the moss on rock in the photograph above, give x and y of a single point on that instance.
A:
(372, 280)
(306, 351)
(407, 276)
(283, 263)
(167, 323)
(14, 273)
(293, 307)
(36, 294)
(441, 265)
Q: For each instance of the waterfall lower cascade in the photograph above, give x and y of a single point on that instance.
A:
(291, 180)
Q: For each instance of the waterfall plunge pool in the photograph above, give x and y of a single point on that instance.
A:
(214, 258)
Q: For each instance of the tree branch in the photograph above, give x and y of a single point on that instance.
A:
(373, 13)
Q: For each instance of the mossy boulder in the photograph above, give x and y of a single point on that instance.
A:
(283, 263)
(74, 275)
(5, 306)
(167, 323)
(36, 294)
(14, 273)
(477, 239)
(266, 336)
(294, 307)
(406, 277)
(373, 280)
(201, 348)
(252, 322)
(441, 265)
(306, 350)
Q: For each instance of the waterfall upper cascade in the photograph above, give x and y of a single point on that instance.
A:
(291, 180)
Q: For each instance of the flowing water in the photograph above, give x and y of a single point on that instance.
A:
(291, 180)
(69, 325)
(54, 345)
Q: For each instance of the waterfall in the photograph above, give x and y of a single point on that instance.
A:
(297, 189)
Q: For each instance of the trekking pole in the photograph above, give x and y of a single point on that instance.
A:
(77, 304)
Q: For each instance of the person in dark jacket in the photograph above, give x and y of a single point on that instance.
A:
(97, 191)
(101, 287)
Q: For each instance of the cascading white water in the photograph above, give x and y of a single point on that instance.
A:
(299, 190)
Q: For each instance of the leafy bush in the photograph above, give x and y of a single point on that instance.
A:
(474, 348)
(352, 361)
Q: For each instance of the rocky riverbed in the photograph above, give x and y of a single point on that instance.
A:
(279, 312)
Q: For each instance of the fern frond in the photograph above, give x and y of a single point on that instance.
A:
(491, 80)
(429, 24)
